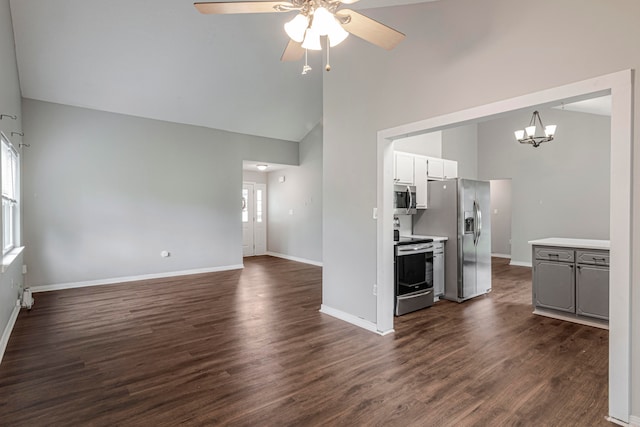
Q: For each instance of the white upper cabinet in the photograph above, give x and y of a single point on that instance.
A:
(450, 169)
(435, 168)
(403, 172)
(420, 179)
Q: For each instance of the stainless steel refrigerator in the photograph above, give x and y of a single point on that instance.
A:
(460, 210)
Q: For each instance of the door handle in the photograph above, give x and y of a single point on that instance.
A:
(479, 215)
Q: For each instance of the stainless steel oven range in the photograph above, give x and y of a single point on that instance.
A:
(413, 274)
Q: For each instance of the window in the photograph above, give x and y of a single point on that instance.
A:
(10, 210)
(258, 205)
(245, 205)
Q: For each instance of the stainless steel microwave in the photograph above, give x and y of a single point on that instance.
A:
(404, 199)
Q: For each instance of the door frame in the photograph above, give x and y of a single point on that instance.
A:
(251, 211)
(620, 86)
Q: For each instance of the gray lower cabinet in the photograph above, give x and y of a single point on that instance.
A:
(592, 285)
(554, 285)
(571, 280)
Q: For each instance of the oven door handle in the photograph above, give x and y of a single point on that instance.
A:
(415, 295)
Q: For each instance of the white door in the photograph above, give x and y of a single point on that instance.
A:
(260, 225)
(247, 219)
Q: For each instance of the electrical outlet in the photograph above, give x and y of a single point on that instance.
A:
(24, 269)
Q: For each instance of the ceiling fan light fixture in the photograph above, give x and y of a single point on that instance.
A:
(337, 35)
(311, 40)
(323, 21)
(296, 28)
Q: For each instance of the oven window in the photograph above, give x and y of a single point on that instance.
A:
(411, 269)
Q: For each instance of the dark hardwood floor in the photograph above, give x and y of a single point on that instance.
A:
(250, 348)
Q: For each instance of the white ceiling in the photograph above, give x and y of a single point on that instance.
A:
(600, 106)
(162, 59)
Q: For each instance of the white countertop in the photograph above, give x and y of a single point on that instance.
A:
(572, 243)
(435, 238)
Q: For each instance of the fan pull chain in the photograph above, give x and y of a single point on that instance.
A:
(328, 66)
(306, 68)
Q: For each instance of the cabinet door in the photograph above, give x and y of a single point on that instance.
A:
(403, 172)
(435, 168)
(438, 273)
(592, 291)
(420, 179)
(554, 285)
(450, 169)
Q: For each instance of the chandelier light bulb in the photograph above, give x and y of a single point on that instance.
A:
(531, 130)
(550, 130)
(296, 27)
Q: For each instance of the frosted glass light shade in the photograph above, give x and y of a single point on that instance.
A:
(311, 40)
(531, 130)
(519, 134)
(337, 34)
(550, 130)
(296, 27)
(262, 167)
(323, 21)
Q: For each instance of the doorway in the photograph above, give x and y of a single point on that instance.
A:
(620, 86)
(254, 218)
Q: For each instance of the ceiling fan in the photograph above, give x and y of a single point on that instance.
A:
(315, 18)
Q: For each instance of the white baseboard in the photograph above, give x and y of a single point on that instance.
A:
(621, 423)
(117, 280)
(521, 263)
(634, 421)
(354, 320)
(8, 329)
(501, 256)
(295, 258)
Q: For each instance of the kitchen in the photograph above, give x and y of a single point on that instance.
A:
(551, 185)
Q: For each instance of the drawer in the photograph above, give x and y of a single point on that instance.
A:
(593, 257)
(554, 254)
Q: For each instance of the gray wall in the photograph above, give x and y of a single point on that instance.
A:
(427, 144)
(254, 176)
(10, 103)
(105, 193)
(461, 144)
(560, 189)
(458, 54)
(298, 235)
(501, 217)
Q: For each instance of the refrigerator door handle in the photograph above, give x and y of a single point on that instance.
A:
(475, 223)
(479, 220)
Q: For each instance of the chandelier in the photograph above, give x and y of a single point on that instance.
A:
(530, 132)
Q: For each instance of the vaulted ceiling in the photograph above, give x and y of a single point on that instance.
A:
(161, 59)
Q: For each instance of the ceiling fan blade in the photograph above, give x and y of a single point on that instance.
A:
(371, 30)
(240, 7)
(293, 51)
